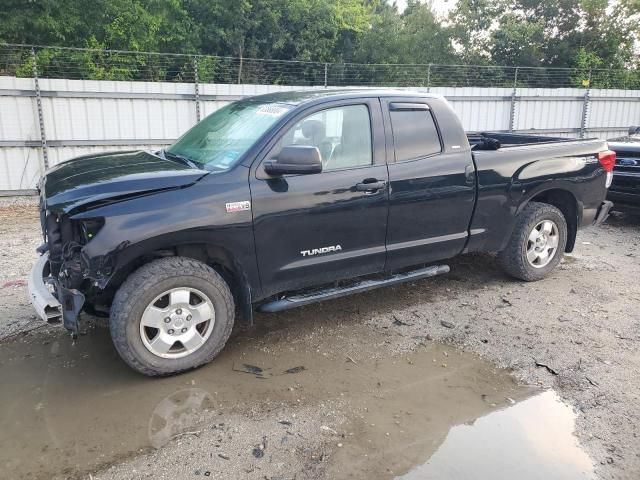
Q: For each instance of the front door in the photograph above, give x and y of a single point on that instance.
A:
(317, 228)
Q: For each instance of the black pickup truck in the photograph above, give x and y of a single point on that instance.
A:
(625, 189)
(285, 199)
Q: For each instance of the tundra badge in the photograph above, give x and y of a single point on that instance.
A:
(316, 251)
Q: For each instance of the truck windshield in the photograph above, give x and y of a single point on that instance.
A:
(218, 141)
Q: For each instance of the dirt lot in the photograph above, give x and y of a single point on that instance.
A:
(389, 380)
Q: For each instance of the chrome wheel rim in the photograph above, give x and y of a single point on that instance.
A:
(542, 244)
(177, 322)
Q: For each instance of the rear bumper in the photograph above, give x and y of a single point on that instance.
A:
(44, 303)
(603, 212)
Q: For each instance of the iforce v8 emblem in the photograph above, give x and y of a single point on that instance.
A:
(233, 207)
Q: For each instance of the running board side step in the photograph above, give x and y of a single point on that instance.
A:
(330, 293)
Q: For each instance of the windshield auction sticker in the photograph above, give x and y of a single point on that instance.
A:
(273, 110)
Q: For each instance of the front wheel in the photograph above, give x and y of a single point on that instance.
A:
(536, 244)
(171, 315)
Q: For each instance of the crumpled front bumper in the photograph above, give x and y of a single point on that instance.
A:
(65, 305)
(45, 304)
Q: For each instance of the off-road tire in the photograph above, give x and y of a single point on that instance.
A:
(513, 259)
(149, 281)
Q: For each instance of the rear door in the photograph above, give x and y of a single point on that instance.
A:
(317, 228)
(432, 183)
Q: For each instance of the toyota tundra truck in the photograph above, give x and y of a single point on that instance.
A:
(281, 200)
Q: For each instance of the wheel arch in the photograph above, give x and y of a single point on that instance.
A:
(565, 201)
(220, 258)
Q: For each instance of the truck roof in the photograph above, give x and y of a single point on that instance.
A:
(297, 97)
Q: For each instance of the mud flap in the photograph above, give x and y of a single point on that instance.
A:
(603, 212)
(246, 307)
(72, 302)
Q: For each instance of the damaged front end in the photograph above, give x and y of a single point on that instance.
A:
(65, 280)
(62, 276)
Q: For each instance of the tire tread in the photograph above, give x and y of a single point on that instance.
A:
(511, 259)
(145, 277)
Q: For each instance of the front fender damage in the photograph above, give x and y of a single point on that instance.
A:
(81, 278)
(98, 270)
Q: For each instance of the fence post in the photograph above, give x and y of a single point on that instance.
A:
(196, 86)
(512, 112)
(326, 68)
(240, 70)
(585, 107)
(43, 136)
(429, 78)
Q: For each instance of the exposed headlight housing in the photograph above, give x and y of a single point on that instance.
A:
(90, 227)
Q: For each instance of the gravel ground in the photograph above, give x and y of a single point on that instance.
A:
(577, 332)
(19, 237)
(221, 449)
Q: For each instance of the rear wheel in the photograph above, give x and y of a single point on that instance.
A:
(536, 244)
(171, 315)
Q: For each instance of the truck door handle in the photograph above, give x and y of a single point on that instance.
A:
(470, 174)
(370, 185)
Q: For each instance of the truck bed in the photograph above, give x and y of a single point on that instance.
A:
(482, 140)
(523, 165)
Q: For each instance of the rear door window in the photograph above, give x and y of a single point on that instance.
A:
(414, 132)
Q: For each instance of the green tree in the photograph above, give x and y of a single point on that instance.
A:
(471, 24)
(47, 22)
(156, 25)
(425, 39)
(518, 43)
(581, 34)
(382, 41)
(318, 30)
(552, 32)
(414, 36)
(322, 30)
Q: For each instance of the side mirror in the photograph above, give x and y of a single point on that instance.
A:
(295, 159)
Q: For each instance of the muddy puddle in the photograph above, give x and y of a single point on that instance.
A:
(531, 439)
(67, 409)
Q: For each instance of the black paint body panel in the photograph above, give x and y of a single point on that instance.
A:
(510, 177)
(294, 213)
(94, 178)
(430, 209)
(432, 198)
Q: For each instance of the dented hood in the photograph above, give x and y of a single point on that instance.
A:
(94, 179)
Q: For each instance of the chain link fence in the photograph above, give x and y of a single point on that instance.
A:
(45, 119)
(88, 64)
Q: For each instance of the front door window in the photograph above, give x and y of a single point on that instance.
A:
(342, 135)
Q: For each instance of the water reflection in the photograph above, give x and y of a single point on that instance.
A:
(530, 440)
(71, 408)
(176, 413)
